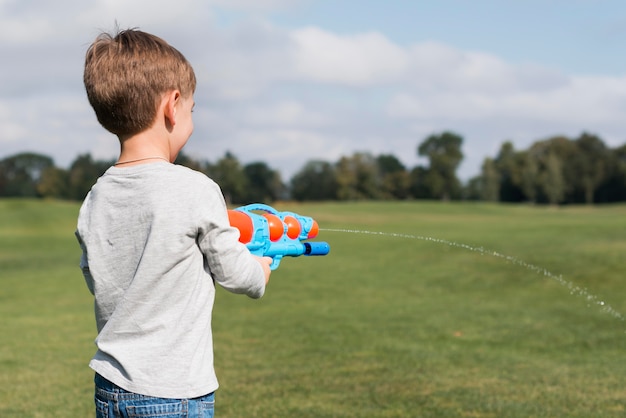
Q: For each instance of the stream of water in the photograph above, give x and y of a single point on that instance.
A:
(573, 289)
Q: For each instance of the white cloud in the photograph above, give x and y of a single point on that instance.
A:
(286, 114)
(180, 14)
(238, 64)
(28, 23)
(360, 59)
(257, 5)
(581, 100)
(436, 67)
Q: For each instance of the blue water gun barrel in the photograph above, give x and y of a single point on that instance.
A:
(316, 248)
(276, 234)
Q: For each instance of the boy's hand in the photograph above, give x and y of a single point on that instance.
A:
(265, 263)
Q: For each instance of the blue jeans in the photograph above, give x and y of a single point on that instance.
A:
(115, 402)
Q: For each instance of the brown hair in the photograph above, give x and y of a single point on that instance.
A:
(126, 76)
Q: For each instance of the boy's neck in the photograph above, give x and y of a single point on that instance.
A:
(143, 148)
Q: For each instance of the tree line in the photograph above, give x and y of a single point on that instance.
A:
(557, 170)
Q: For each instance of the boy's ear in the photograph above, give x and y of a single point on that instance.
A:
(171, 100)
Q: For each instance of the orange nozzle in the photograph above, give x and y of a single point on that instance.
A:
(276, 226)
(243, 223)
(315, 229)
(293, 227)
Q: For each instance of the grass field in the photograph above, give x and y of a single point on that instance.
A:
(384, 326)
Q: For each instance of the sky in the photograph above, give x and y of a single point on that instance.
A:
(290, 81)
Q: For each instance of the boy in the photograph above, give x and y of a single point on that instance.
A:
(155, 237)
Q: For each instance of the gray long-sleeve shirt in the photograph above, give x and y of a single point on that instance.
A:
(155, 237)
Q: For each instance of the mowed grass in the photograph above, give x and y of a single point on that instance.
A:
(46, 333)
(384, 326)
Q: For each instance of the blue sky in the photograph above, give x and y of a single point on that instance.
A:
(286, 81)
(578, 36)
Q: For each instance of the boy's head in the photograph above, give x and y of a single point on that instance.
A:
(127, 75)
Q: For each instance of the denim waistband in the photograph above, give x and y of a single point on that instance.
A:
(107, 385)
(110, 390)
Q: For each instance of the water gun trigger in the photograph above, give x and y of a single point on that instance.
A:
(275, 262)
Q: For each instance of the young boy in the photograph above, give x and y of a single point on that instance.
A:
(155, 237)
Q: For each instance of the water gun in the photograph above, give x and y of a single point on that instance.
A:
(276, 234)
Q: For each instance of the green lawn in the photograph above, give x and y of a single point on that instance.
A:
(442, 310)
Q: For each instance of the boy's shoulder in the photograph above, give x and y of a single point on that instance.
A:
(191, 175)
(186, 171)
(199, 175)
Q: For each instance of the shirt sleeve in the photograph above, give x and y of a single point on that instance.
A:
(84, 265)
(231, 264)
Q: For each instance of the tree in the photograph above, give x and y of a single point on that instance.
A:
(473, 190)
(83, 174)
(388, 164)
(620, 154)
(550, 153)
(315, 181)
(20, 174)
(445, 155)
(394, 178)
(530, 176)
(417, 181)
(264, 184)
(508, 164)
(553, 183)
(491, 181)
(396, 185)
(591, 163)
(54, 183)
(619, 190)
(357, 177)
(228, 173)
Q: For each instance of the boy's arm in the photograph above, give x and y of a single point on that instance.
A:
(232, 265)
(84, 265)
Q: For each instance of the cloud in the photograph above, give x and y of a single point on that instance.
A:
(288, 114)
(575, 100)
(257, 5)
(289, 95)
(361, 59)
(37, 22)
(239, 63)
